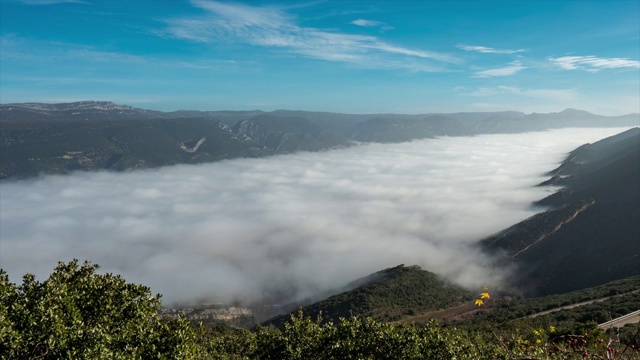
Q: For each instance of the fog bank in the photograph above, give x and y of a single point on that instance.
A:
(286, 227)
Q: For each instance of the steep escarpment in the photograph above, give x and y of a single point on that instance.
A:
(591, 234)
(288, 134)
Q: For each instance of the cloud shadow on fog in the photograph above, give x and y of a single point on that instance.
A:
(286, 227)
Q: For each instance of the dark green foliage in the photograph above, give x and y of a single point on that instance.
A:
(353, 338)
(388, 295)
(77, 313)
(623, 299)
(365, 338)
(629, 334)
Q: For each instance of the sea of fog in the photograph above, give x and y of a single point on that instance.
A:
(289, 226)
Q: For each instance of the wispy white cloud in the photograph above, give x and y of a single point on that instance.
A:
(556, 95)
(545, 94)
(68, 80)
(108, 56)
(244, 15)
(593, 64)
(484, 92)
(366, 23)
(513, 68)
(488, 50)
(272, 27)
(18, 48)
(371, 23)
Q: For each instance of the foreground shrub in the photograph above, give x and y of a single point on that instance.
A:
(77, 313)
(353, 338)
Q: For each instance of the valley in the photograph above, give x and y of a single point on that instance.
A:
(409, 294)
(585, 230)
(320, 180)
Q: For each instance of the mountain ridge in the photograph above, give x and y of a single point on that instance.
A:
(40, 138)
(110, 105)
(389, 294)
(593, 219)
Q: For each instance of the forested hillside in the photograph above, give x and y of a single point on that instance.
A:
(387, 295)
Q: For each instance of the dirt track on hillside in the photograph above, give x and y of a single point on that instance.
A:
(579, 304)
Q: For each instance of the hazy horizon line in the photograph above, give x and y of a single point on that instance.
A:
(311, 111)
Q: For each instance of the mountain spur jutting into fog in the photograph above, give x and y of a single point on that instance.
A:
(280, 228)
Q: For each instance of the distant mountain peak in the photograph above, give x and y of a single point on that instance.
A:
(574, 111)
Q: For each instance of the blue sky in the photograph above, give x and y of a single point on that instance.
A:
(339, 56)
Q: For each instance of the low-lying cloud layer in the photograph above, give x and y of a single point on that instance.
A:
(286, 225)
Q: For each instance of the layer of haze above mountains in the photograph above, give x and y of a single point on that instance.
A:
(286, 227)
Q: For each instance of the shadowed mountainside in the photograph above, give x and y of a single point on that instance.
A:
(288, 134)
(37, 138)
(58, 146)
(391, 130)
(592, 233)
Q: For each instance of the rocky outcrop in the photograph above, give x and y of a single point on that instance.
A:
(288, 134)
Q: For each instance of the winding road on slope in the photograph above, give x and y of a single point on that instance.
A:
(579, 304)
(630, 318)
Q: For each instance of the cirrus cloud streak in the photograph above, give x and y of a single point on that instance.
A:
(488, 50)
(271, 27)
(513, 68)
(592, 63)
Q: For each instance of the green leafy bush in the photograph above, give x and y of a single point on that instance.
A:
(77, 313)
